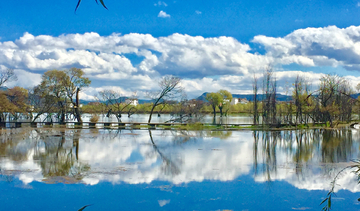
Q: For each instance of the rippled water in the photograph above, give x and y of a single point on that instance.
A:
(65, 169)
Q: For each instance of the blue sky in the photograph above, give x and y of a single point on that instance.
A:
(210, 44)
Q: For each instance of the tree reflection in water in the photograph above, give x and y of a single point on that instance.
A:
(56, 150)
(57, 153)
(169, 167)
(335, 146)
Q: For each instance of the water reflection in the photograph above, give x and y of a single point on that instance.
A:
(306, 159)
(231, 119)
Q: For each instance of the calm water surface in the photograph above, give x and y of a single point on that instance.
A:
(65, 169)
(142, 118)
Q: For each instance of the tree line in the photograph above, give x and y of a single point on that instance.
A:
(58, 96)
(331, 103)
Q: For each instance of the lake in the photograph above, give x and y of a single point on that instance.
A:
(143, 118)
(66, 169)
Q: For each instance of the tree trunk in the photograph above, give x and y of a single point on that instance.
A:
(37, 116)
(61, 114)
(77, 108)
(151, 112)
(118, 117)
(214, 108)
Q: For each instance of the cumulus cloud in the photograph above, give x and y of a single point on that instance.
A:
(328, 46)
(198, 12)
(136, 62)
(105, 58)
(163, 14)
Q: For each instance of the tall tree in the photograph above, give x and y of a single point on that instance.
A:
(74, 83)
(54, 84)
(214, 99)
(170, 88)
(6, 107)
(302, 102)
(255, 92)
(269, 103)
(226, 100)
(18, 96)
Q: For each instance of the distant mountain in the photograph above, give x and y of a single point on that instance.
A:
(141, 101)
(85, 102)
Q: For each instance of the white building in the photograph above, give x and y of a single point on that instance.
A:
(133, 102)
(235, 101)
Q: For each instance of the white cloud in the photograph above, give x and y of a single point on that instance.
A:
(206, 64)
(163, 14)
(328, 46)
(234, 157)
(160, 3)
(198, 12)
(163, 202)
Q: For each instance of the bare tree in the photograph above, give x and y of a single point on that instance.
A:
(255, 90)
(187, 110)
(115, 103)
(40, 103)
(6, 76)
(334, 97)
(358, 100)
(269, 103)
(301, 100)
(170, 88)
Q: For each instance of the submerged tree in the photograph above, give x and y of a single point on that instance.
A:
(74, 83)
(220, 99)
(214, 99)
(6, 107)
(115, 103)
(40, 103)
(54, 85)
(255, 104)
(269, 102)
(18, 98)
(304, 103)
(170, 88)
(62, 87)
(334, 100)
(226, 100)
